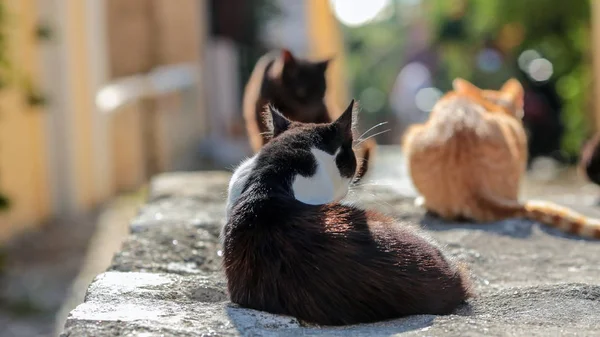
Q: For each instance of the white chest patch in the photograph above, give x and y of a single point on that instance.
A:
(325, 186)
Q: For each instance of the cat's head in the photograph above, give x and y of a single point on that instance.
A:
(510, 96)
(320, 156)
(303, 80)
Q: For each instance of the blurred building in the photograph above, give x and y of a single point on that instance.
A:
(131, 88)
(123, 102)
(308, 28)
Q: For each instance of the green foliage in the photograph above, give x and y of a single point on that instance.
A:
(559, 30)
(374, 58)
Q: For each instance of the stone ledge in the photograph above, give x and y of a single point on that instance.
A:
(167, 281)
(181, 305)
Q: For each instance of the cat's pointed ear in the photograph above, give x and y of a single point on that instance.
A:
(347, 120)
(322, 66)
(462, 85)
(275, 121)
(513, 90)
(513, 93)
(287, 57)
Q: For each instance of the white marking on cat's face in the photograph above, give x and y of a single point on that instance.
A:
(236, 185)
(325, 186)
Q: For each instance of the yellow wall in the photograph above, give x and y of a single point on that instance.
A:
(24, 165)
(23, 162)
(102, 153)
(81, 103)
(325, 40)
(127, 147)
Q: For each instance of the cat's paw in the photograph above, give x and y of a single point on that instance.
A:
(419, 201)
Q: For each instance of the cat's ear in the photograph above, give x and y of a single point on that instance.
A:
(462, 85)
(513, 90)
(275, 121)
(322, 66)
(287, 57)
(347, 120)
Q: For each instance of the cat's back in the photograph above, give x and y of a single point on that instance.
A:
(461, 122)
(460, 116)
(336, 264)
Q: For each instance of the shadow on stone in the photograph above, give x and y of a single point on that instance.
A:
(466, 309)
(555, 232)
(250, 322)
(516, 228)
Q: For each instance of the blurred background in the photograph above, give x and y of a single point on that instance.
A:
(98, 96)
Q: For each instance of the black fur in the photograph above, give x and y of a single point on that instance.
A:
(328, 264)
(299, 89)
(303, 80)
(295, 157)
(590, 159)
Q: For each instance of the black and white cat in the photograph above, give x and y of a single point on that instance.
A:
(291, 248)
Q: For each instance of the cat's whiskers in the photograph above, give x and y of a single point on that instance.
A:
(371, 136)
(373, 127)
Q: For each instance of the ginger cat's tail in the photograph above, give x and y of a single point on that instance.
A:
(562, 218)
(547, 213)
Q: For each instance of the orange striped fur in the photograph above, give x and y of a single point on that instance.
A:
(468, 159)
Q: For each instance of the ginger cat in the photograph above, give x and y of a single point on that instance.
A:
(297, 88)
(468, 159)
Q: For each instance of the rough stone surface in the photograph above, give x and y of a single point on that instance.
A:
(166, 281)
